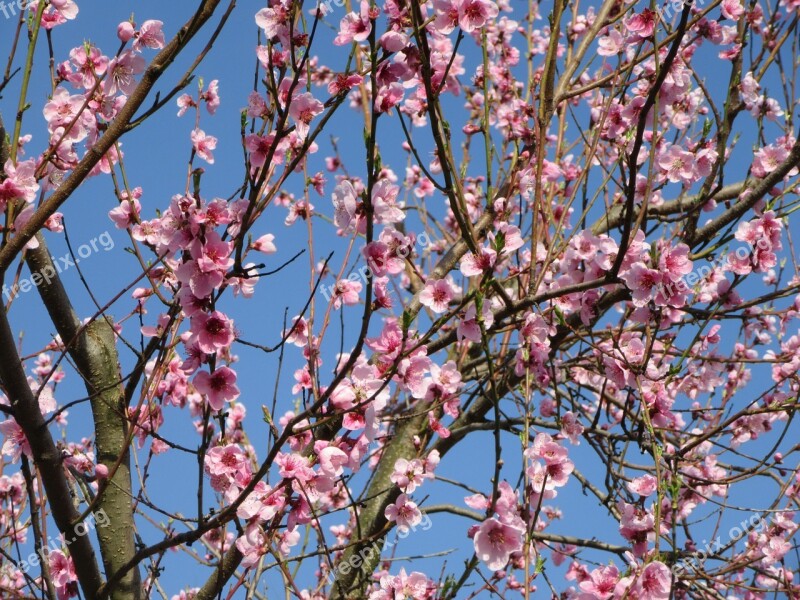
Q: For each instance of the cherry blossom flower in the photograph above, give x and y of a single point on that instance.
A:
(15, 443)
(437, 295)
(642, 24)
(203, 145)
(645, 485)
(384, 202)
(261, 504)
(303, 108)
(404, 512)
(344, 203)
(408, 475)
(678, 165)
(354, 27)
(474, 14)
(62, 571)
(472, 265)
(654, 582)
(495, 542)
(211, 96)
(149, 35)
(121, 73)
(66, 8)
(265, 244)
(610, 44)
(218, 387)
(346, 291)
(601, 584)
(212, 331)
(20, 182)
(732, 9)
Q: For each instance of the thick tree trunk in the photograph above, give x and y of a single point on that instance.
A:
(94, 351)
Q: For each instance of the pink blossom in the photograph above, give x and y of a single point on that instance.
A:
(346, 291)
(354, 27)
(611, 44)
(203, 145)
(495, 542)
(343, 83)
(125, 31)
(732, 9)
(212, 331)
(642, 24)
(678, 165)
(408, 475)
(294, 466)
(384, 202)
(62, 111)
(228, 460)
(344, 204)
(472, 265)
(15, 443)
(654, 582)
(474, 14)
(67, 8)
(437, 295)
(636, 524)
(273, 21)
(256, 105)
(775, 549)
(89, 63)
(62, 571)
(404, 512)
(643, 282)
(674, 261)
(303, 108)
(185, 102)
(121, 73)
(393, 41)
(127, 213)
(149, 36)
(332, 460)
(20, 182)
(468, 327)
(644, 486)
(218, 386)
(261, 504)
(601, 583)
(211, 96)
(253, 545)
(265, 244)
(447, 15)
(259, 148)
(767, 159)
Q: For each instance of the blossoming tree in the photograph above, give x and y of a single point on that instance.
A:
(561, 240)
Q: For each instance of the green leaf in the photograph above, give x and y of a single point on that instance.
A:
(706, 127)
(407, 319)
(540, 560)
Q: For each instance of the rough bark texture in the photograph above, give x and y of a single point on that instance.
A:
(95, 355)
(46, 457)
(362, 559)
